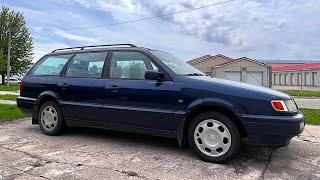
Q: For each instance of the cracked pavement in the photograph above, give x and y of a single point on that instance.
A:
(83, 153)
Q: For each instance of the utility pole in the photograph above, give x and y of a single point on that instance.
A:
(301, 79)
(8, 57)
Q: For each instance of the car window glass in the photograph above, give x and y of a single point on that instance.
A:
(87, 65)
(130, 65)
(51, 65)
(177, 65)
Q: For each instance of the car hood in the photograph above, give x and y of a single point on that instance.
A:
(234, 88)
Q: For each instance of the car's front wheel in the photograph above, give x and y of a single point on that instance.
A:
(50, 119)
(214, 137)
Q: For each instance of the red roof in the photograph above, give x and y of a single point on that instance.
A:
(240, 59)
(207, 57)
(312, 66)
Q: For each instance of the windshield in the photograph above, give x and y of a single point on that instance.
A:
(178, 66)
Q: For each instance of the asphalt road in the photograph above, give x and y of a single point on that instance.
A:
(312, 103)
(26, 153)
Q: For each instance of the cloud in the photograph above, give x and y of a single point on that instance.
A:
(259, 29)
(224, 24)
(75, 37)
(38, 28)
(42, 48)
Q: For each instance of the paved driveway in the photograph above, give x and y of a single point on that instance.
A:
(25, 153)
(312, 103)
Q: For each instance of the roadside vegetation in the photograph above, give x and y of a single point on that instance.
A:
(21, 43)
(303, 93)
(14, 87)
(10, 112)
(8, 97)
(312, 116)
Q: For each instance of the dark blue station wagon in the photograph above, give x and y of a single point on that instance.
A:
(128, 88)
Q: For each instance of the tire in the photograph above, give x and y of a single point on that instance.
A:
(214, 137)
(50, 113)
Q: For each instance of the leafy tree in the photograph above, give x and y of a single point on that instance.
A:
(135, 69)
(21, 43)
(94, 69)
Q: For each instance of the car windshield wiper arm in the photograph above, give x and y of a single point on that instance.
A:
(194, 74)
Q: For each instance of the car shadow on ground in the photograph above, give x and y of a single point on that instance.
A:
(247, 153)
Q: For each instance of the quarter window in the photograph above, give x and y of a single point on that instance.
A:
(130, 65)
(87, 65)
(51, 65)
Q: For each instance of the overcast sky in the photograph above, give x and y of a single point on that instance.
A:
(259, 29)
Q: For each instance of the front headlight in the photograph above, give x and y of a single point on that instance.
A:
(284, 105)
(291, 105)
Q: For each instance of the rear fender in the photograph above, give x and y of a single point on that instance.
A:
(44, 96)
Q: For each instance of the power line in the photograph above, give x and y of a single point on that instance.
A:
(40, 48)
(137, 20)
(148, 18)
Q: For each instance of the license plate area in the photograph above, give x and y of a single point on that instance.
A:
(302, 126)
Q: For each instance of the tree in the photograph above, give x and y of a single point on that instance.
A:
(135, 69)
(21, 43)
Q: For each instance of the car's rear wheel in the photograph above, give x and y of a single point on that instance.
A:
(50, 119)
(214, 137)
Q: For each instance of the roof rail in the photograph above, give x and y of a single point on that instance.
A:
(84, 47)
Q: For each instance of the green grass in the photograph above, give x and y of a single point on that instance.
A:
(303, 93)
(8, 97)
(312, 116)
(10, 112)
(14, 87)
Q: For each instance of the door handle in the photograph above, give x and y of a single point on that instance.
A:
(42, 86)
(113, 88)
(64, 86)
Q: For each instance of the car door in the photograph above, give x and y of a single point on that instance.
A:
(80, 88)
(136, 101)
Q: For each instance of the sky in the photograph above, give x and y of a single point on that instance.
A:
(258, 29)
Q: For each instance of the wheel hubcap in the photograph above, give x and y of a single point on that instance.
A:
(212, 138)
(49, 118)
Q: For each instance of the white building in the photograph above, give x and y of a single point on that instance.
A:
(307, 75)
(242, 69)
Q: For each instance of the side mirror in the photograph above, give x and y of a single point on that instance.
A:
(153, 75)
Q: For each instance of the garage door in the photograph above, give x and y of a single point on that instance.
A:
(254, 78)
(233, 76)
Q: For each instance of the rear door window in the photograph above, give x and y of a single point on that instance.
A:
(87, 65)
(51, 65)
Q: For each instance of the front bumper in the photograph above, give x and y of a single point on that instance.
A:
(272, 130)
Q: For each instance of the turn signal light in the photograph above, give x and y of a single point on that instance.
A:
(279, 105)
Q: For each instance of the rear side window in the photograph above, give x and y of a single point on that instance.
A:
(87, 65)
(51, 65)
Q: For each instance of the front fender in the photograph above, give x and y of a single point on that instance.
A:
(214, 102)
(201, 103)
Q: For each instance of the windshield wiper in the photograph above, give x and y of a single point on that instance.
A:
(194, 74)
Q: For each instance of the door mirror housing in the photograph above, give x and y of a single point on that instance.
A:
(154, 75)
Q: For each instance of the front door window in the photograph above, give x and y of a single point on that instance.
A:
(130, 65)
